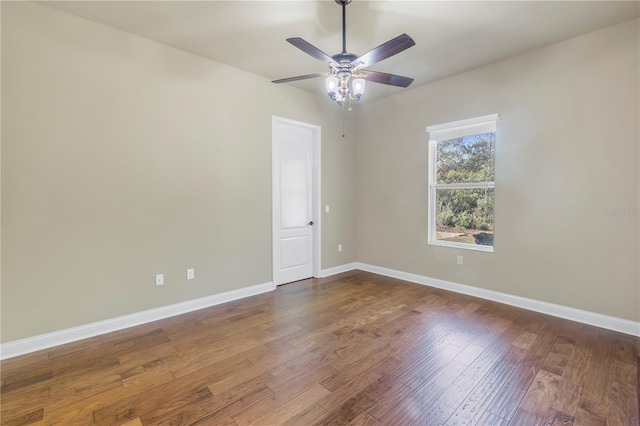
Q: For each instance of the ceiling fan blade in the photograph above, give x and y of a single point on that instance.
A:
(310, 49)
(300, 77)
(385, 50)
(384, 78)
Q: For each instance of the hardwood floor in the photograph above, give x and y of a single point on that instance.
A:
(356, 348)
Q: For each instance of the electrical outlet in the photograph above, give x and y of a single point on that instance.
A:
(190, 274)
(339, 247)
(460, 260)
(327, 209)
(160, 279)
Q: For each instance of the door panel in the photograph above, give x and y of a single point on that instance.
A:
(295, 182)
(293, 171)
(294, 252)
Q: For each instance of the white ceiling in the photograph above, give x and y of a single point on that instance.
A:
(451, 36)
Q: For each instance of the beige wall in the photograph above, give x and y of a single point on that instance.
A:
(123, 158)
(567, 151)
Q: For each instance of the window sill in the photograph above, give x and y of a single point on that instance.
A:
(488, 249)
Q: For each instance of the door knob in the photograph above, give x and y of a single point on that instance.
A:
(310, 223)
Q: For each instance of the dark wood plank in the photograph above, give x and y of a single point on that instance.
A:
(309, 416)
(148, 400)
(406, 409)
(591, 413)
(24, 419)
(478, 401)
(577, 364)
(507, 402)
(597, 383)
(558, 357)
(490, 419)
(551, 392)
(14, 383)
(288, 389)
(354, 406)
(178, 405)
(435, 414)
(364, 419)
(623, 407)
(224, 414)
(293, 407)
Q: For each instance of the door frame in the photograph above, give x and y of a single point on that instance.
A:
(316, 194)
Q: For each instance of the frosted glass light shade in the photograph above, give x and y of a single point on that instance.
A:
(358, 87)
(332, 86)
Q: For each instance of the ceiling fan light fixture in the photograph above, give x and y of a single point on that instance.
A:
(358, 85)
(332, 87)
(342, 86)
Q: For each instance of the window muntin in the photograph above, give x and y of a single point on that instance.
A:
(461, 183)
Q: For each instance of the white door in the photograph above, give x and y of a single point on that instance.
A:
(295, 170)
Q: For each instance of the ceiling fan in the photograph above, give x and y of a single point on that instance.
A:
(346, 74)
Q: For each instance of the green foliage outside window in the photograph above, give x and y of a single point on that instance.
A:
(464, 160)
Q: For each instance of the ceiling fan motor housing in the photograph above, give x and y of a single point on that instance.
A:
(344, 58)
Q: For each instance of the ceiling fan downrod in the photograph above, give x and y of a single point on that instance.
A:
(344, 4)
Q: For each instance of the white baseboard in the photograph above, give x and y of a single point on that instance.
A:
(48, 340)
(338, 269)
(586, 317)
(44, 341)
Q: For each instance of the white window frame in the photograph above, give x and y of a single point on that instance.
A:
(446, 131)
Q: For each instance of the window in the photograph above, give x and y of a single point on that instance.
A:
(461, 183)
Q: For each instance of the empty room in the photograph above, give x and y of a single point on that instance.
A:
(341, 212)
